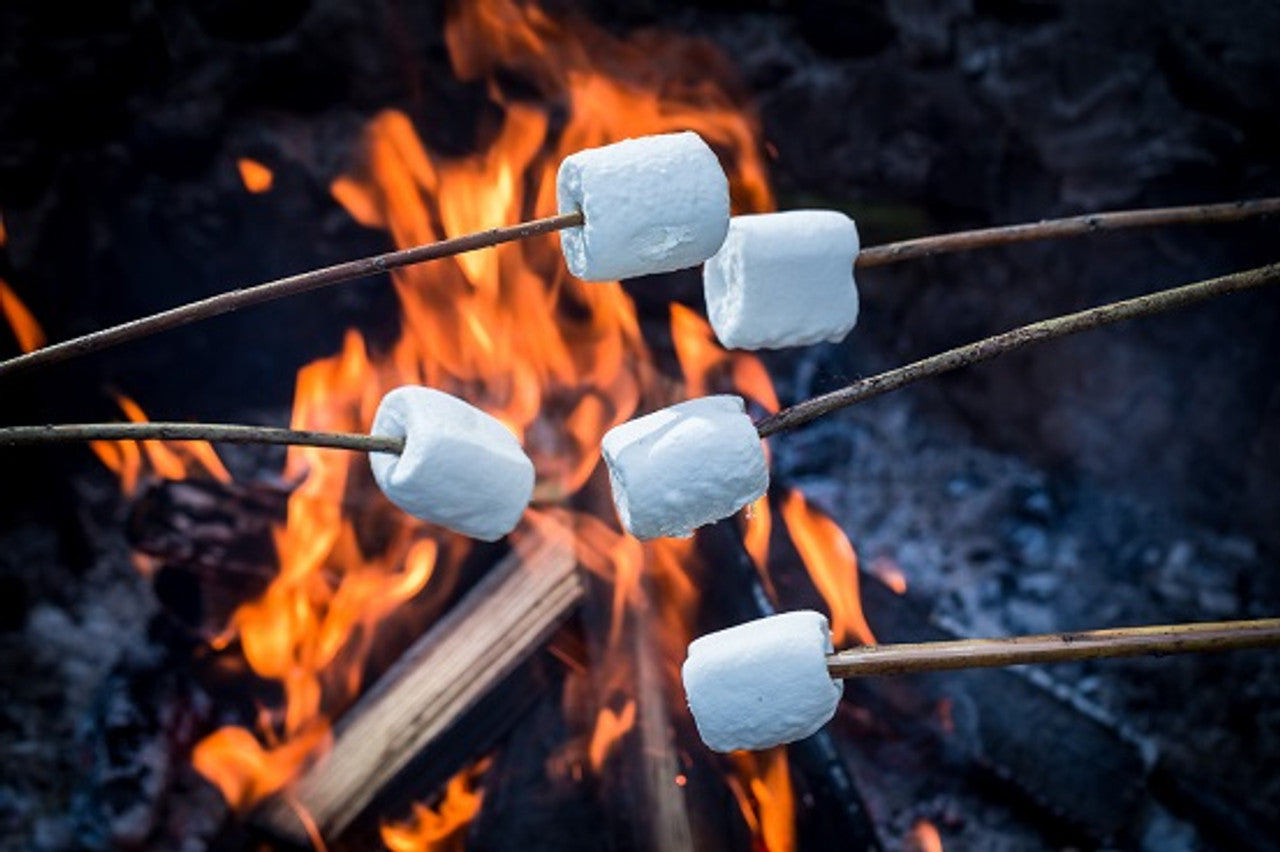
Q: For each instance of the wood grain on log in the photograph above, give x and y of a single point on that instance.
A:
(500, 622)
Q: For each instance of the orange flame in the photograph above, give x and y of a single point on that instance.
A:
(26, 330)
(557, 360)
(610, 727)
(890, 574)
(4, 232)
(256, 177)
(762, 786)
(704, 361)
(243, 770)
(442, 828)
(758, 526)
(832, 565)
(923, 837)
(171, 460)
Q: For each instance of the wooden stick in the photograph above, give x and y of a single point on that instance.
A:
(1054, 648)
(280, 288)
(19, 436)
(990, 347)
(501, 621)
(788, 418)
(1071, 226)
(874, 256)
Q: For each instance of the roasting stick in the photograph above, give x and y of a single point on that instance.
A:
(226, 433)
(990, 347)
(774, 680)
(354, 269)
(294, 284)
(796, 415)
(1054, 648)
(435, 456)
(1070, 226)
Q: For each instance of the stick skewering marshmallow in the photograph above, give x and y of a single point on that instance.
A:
(762, 683)
(651, 205)
(684, 466)
(460, 468)
(783, 279)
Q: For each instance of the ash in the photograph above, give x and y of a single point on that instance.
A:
(100, 712)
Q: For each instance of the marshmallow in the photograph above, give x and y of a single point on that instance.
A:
(461, 468)
(651, 205)
(783, 279)
(762, 683)
(684, 466)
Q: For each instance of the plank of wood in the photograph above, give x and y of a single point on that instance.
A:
(502, 621)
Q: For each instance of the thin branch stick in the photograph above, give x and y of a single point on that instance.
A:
(1054, 648)
(788, 418)
(1072, 226)
(280, 288)
(19, 436)
(874, 256)
(990, 347)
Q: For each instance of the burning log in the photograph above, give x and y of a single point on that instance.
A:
(655, 813)
(502, 621)
(377, 264)
(774, 680)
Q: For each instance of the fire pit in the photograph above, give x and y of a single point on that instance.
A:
(243, 646)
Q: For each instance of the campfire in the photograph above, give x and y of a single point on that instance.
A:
(355, 675)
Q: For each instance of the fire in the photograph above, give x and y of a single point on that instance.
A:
(243, 770)
(707, 365)
(762, 786)
(757, 528)
(167, 459)
(832, 564)
(442, 828)
(890, 574)
(610, 727)
(26, 330)
(923, 837)
(171, 460)
(557, 360)
(256, 177)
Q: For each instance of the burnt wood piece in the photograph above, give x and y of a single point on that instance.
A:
(486, 727)
(669, 829)
(500, 623)
(837, 801)
(1053, 749)
(1027, 734)
(643, 805)
(210, 543)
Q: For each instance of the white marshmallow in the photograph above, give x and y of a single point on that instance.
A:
(461, 468)
(651, 205)
(762, 683)
(783, 279)
(684, 466)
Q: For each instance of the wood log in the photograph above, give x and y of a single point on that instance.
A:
(669, 830)
(501, 622)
